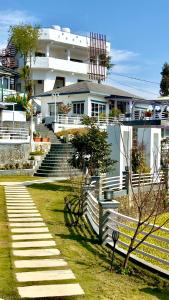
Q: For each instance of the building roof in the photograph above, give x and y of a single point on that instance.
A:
(90, 87)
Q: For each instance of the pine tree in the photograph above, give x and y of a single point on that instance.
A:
(164, 84)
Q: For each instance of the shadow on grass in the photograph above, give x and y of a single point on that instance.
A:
(161, 294)
(83, 234)
(52, 187)
(78, 237)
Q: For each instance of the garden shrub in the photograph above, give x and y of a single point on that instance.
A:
(73, 131)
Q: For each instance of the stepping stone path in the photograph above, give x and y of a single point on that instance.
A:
(33, 248)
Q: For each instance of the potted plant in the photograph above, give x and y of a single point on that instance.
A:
(166, 114)
(148, 113)
(115, 113)
(36, 137)
(45, 139)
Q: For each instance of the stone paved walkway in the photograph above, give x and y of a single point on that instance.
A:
(36, 258)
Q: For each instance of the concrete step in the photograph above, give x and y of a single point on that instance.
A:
(54, 164)
(57, 174)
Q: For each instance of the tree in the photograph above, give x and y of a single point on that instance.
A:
(25, 39)
(106, 62)
(138, 160)
(64, 108)
(164, 84)
(91, 149)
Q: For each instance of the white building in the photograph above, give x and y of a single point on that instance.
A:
(84, 98)
(62, 58)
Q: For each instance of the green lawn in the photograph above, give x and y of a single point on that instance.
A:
(18, 178)
(79, 246)
(7, 281)
(89, 261)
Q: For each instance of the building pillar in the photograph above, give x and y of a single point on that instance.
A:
(68, 54)
(47, 50)
(104, 206)
(98, 187)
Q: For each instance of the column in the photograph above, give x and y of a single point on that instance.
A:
(68, 54)
(104, 206)
(47, 50)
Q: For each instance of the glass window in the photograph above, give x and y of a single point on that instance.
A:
(97, 109)
(51, 109)
(78, 108)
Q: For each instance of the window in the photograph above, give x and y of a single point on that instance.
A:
(78, 108)
(59, 82)
(5, 83)
(98, 108)
(51, 109)
(122, 106)
(39, 54)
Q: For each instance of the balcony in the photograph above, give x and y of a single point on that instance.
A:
(60, 65)
(6, 92)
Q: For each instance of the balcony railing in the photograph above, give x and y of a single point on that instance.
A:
(77, 120)
(60, 64)
(14, 135)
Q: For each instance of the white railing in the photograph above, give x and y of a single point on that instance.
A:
(126, 225)
(77, 120)
(64, 119)
(7, 92)
(113, 183)
(141, 115)
(13, 134)
(91, 209)
(147, 179)
(152, 251)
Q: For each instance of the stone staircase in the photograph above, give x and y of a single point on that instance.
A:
(55, 163)
(46, 132)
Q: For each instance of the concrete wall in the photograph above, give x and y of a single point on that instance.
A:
(12, 153)
(120, 139)
(21, 172)
(71, 99)
(66, 99)
(48, 76)
(9, 115)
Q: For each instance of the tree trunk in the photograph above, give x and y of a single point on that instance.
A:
(126, 259)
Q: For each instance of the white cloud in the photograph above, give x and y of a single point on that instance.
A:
(125, 68)
(122, 55)
(8, 17)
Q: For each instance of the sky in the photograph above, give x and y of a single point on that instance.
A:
(137, 30)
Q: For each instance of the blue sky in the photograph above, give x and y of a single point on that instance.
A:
(137, 30)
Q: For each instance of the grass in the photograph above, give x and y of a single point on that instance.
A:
(89, 261)
(18, 178)
(79, 246)
(7, 280)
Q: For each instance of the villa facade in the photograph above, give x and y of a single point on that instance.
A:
(63, 58)
(84, 98)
